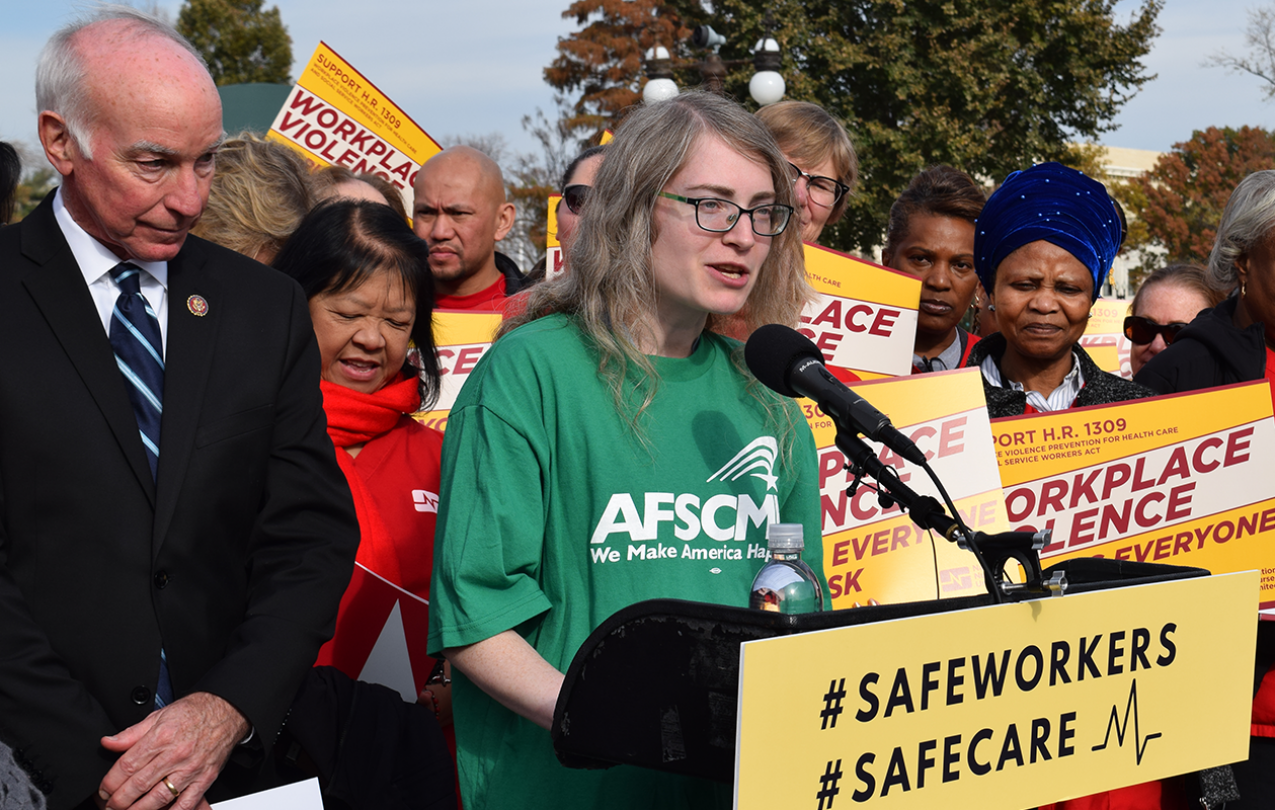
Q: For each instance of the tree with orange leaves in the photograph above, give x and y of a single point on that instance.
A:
(603, 60)
(1189, 186)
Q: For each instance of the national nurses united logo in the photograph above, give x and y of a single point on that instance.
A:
(759, 455)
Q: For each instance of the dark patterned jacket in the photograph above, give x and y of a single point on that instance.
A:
(1100, 387)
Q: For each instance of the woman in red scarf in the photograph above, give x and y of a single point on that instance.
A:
(371, 296)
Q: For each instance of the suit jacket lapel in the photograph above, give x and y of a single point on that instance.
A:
(188, 362)
(64, 300)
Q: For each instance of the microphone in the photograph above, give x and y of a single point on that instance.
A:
(787, 362)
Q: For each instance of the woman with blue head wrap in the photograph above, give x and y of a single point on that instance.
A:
(1042, 247)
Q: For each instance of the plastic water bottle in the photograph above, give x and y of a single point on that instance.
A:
(786, 584)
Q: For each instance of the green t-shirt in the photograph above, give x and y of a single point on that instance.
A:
(554, 514)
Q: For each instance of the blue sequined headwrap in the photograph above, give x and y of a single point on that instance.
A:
(1053, 203)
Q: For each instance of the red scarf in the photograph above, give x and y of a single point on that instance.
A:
(357, 418)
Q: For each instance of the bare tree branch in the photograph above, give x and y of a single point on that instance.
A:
(1259, 36)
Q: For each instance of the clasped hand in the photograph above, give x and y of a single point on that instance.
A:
(187, 742)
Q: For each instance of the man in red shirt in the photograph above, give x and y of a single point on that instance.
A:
(461, 212)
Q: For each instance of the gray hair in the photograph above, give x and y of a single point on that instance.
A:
(60, 75)
(1248, 218)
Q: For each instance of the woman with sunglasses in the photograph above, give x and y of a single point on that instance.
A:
(611, 446)
(577, 181)
(1231, 342)
(821, 160)
(1042, 247)
(1166, 302)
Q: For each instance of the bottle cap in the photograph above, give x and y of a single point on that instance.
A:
(785, 536)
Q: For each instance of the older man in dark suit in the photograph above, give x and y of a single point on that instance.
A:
(174, 531)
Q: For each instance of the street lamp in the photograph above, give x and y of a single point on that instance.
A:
(766, 86)
(659, 73)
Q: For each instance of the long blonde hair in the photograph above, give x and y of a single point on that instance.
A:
(260, 193)
(610, 290)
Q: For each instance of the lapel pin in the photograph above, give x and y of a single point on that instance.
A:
(197, 305)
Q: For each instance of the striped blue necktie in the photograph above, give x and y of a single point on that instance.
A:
(139, 353)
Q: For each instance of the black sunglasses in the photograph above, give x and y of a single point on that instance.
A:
(574, 197)
(1142, 331)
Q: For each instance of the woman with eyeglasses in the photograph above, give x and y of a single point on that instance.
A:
(931, 235)
(611, 446)
(822, 163)
(1166, 302)
(1042, 247)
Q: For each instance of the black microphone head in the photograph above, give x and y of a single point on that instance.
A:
(773, 350)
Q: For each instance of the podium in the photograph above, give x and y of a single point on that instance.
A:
(658, 685)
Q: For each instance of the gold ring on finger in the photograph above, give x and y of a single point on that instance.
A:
(171, 789)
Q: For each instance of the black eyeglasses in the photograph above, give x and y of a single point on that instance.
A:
(574, 197)
(824, 191)
(1142, 331)
(719, 216)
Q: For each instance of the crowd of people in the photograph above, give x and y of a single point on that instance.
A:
(227, 502)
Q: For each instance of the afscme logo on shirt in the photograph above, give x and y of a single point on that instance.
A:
(760, 455)
(722, 517)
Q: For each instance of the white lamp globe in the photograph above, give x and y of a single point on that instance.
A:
(766, 87)
(658, 52)
(767, 44)
(662, 89)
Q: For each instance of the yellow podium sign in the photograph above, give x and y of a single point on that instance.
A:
(462, 339)
(1007, 706)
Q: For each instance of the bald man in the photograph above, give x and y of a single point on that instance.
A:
(460, 211)
(175, 534)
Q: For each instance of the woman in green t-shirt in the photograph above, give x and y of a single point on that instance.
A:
(611, 446)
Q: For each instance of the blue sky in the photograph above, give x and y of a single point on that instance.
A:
(476, 67)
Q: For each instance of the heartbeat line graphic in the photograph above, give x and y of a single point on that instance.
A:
(1140, 742)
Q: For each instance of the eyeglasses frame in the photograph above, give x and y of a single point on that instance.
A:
(841, 188)
(695, 201)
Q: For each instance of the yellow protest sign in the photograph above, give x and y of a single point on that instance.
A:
(1182, 479)
(864, 318)
(335, 116)
(1104, 338)
(462, 339)
(876, 552)
(553, 248)
(1007, 706)
(551, 226)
